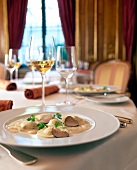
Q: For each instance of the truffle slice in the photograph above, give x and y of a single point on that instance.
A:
(71, 122)
(59, 134)
(46, 118)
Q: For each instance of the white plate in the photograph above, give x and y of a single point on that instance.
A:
(110, 89)
(105, 100)
(104, 124)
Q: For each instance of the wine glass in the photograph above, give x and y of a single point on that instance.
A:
(43, 57)
(30, 64)
(15, 54)
(66, 66)
(9, 65)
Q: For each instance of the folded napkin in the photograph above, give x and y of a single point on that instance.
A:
(37, 92)
(5, 105)
(7, 85)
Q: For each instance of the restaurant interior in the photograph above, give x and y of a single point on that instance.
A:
(104, 34)
(100, 31)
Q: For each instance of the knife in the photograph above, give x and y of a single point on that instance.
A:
(19, 156)
(107, 95)
(124, 119)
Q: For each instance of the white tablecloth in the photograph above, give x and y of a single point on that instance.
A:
(116, 152)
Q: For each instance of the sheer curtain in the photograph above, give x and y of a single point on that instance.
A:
(129, 28)
(67, 16)
(16, 21)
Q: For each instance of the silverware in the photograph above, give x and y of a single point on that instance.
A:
(107, 95)
(123, 124)
(19, 156)
(78, 96)
(124, 119)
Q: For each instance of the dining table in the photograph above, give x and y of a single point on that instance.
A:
(115, 151)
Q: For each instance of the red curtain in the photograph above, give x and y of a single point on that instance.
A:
(130, 31)
(16, 21)
(129, 11)
(67, 16)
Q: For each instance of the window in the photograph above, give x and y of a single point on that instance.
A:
(34, 21)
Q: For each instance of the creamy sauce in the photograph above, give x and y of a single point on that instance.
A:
(90, 89)
(23, 125)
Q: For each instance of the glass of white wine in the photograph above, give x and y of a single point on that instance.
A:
(66, 66)
(9, 65)
(43, 57)
(16, 60)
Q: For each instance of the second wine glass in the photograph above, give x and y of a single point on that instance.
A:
(9, 65)
(66, 66)
(15, 54)
(29, 64)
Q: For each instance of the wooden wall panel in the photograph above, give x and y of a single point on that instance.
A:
(99, 34)
(109, 28)
(4, 45)
(85, 29)
(100, 29)
(90, 31)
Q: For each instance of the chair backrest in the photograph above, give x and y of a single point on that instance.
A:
(113, 73)
(2, 71)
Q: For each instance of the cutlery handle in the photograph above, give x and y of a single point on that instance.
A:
(19, 156)
(124, 119)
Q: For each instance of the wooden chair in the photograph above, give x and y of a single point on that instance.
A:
(2, 71)
(113, 72)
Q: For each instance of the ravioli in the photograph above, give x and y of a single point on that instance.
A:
(33, 125)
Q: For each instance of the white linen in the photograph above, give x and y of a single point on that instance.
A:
(117, 152)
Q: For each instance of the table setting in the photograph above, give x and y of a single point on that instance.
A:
(103, 141)
(87, 126)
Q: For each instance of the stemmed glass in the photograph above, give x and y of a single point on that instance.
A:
(43, 57)
(9, 64)
(66, 66)
(29, 63)
(16, 60)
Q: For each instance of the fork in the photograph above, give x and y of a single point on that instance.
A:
(19, 156)
(78, 96)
